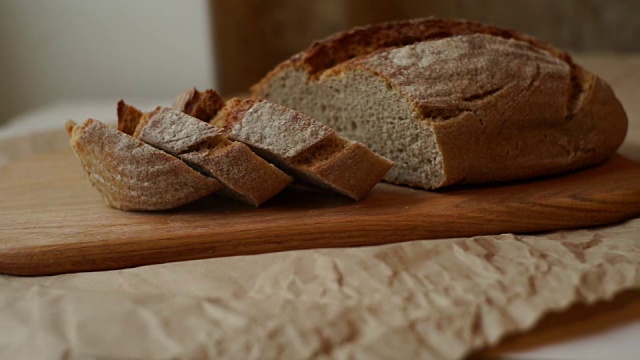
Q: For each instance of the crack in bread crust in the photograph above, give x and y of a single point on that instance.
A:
(362, 41)
(128, 117)
(339, 48)
(202, 105)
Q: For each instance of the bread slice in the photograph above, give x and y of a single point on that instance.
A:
(245, 175)
(131, 175)
(313, 153)
(453, 101)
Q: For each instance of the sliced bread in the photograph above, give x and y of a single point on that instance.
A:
(453, 101)
(245, 175)
(310, 151)
(131, 175)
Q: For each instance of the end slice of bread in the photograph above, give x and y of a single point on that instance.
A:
(310, 151)
(245, 175)
(131, 175)
(202, 105)
(128, 117)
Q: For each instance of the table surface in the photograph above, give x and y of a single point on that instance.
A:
(613, 326)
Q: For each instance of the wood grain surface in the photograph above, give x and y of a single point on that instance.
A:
(53, 222)
(577, 322)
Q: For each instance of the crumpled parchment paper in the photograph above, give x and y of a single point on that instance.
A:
(421, 299)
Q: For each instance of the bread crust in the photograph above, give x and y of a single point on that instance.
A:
(505, 106)
(128, 117)
(131, 175)
(365, 40)
(202, 105)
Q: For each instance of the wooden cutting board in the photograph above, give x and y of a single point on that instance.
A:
(52, 221)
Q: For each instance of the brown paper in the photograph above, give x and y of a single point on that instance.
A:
(420, 299)
(436, 299)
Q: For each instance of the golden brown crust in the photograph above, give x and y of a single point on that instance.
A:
(131, 175)
(202, 105)
(587, 138)
(128, 117)
(361, 41)
(233, 111)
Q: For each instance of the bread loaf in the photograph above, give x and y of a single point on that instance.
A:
(245, 175)
(313, 153)
(131, 175)
(453, 101)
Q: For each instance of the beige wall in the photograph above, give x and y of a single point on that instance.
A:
(73, 49)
